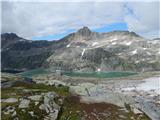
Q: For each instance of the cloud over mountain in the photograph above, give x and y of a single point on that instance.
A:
(30, 19)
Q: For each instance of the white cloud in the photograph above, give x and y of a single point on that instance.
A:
(145, 18)
(29, 19)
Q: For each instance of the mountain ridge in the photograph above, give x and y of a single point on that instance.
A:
(84, 50)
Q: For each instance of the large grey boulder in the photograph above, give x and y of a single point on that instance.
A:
(49, 105)
(35, 97)
(24, 103)
(11, 100)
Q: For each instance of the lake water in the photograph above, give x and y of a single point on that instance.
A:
(79, 74)
(100, 74)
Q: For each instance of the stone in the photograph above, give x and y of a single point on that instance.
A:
(50, 106)
(36, 103)
(2, 100)
(136, 111)
(23, 110)
(55, 83)
(31, 113)
(11, 100)
(9, 110)
(24, 103)
(14, 114)
(35, 97)
(42, 107)
(16, 118)
(122, 116)
(82, 89)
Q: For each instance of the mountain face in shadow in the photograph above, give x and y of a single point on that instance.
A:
(20, 54)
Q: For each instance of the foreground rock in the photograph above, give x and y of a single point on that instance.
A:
(50, 106)
(143, 97)
(11, 100)
(24, 103)
(35, 97)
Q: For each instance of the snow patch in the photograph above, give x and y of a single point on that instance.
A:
(150, 84)
(114, 43)
(94, 43)
(68, 45)
(129, 43)
(137, 61)
(144, 48)
(83, 52)
(134, 52)
(148, 53)
(114, 39)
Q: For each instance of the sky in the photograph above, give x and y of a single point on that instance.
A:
(52, 20)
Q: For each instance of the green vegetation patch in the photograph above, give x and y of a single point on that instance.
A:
(26, 89)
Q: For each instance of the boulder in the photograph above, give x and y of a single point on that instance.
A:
(11, 100)
(24, 103)
(50, 106)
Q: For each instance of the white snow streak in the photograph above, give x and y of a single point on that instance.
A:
(134, 52)
(114, 43)
(129, 43)
(83, 52)
(68, 45)
(95, 43)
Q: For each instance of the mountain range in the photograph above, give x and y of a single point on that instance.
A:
(83, 51)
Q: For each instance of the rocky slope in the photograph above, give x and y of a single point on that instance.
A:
(113, 51)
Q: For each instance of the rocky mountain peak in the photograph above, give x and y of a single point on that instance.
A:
(134, 34)
(9, 36)
(85, 31)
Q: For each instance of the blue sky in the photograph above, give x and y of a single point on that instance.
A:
(112, 27)
(106, 28)
(54, 36)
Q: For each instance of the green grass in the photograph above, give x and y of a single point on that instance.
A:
(33, 88)
(100, 74)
